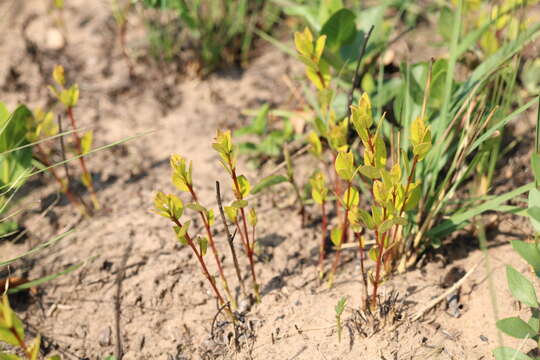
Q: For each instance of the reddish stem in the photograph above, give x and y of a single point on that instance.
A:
(203, 265)
(81, 158)
(213, 247)
(322, 253)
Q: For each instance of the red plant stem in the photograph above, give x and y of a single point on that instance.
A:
(249, 250)
(81, 159)
(323, 238)
(249, 253)
(203, 265)
(344, 233)
(213, 247)
(63, 187)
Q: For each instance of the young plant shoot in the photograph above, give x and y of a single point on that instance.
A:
(236, 211)
(69, 97)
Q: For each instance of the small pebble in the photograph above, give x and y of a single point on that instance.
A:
(104, 337)
(483, 338)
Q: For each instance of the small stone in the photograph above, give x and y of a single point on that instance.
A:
(104, 338)
(483, 338)
(54, 39)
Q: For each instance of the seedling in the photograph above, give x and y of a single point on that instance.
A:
(120, 10)
(340, 307)
(183, 180)
(41, 126)
(269, 141)
(12, 333)
(236, 211)
(69, 97)
(319, 194)
(172, 208)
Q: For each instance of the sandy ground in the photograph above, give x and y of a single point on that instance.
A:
(165, 311)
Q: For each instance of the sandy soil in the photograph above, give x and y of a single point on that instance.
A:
(164, 307)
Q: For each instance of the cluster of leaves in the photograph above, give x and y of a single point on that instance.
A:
(12, 332)
(393, 186)
(269, 142)
(171, 207)
(220, 32)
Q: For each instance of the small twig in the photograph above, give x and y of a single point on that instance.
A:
(230, 239)
(443, 296)
(215, 318)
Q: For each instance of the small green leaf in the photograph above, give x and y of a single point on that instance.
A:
(231, 212)
(57, 357)
(507, 353)
(197, 207)
(521, 287)
(529, 252)
(515, 327)
(58, 75)
(252, 217)
(340, 29)
(351, 197)
(239, 204)
(267, 182)
(203, 244)
(345, 165)
(369, 171)
(373, 253)
(244, 185)
(86, 142)
(533, 209)
(335, 236)
(340, 307)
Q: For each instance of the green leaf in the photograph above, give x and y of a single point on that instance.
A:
(244, 185)
(529, 252)
(258, 124)
(238, 204)
(533, 209)
(335, 236)
(86, 142)
(340, 29)
(515, 327)
(535, 165)
(267, 182)
(351, 197)
(369, 171)
(231, 212)
(521, 287)
(203, 244)
(340, 307)
(507, 353)
(197, 207)
(345, 165)
(9, 320)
